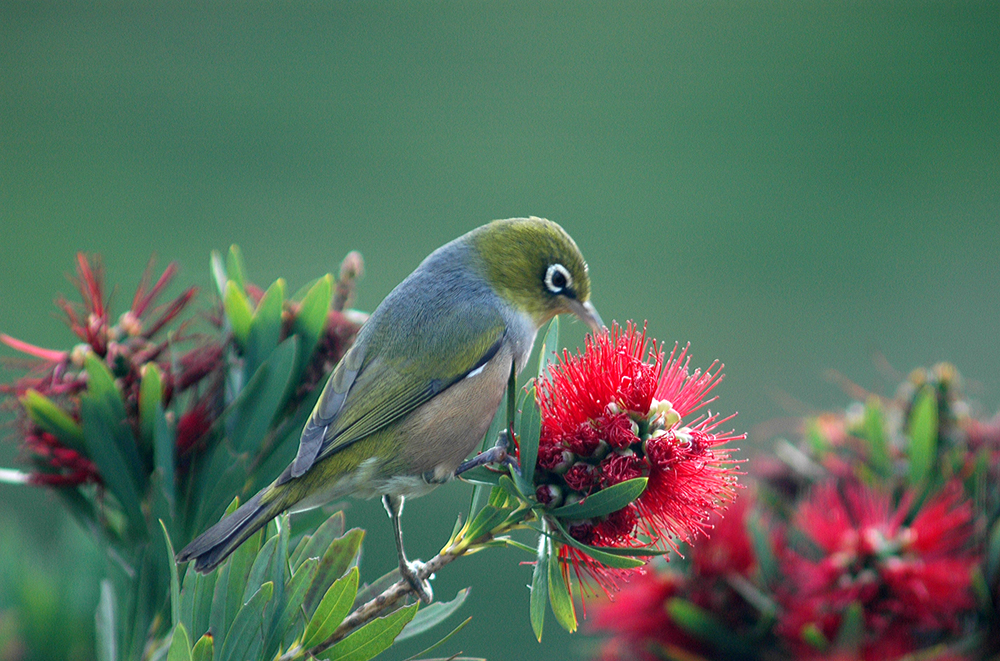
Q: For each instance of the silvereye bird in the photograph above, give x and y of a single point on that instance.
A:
(416, 392)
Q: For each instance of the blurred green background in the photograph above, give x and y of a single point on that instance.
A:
(791, 186)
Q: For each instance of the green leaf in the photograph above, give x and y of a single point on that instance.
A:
(262, 568)
(992, 560)
(107, 632)
(559, 594)
(150, 395)
(332, 610)
(878, 445)
(703, 625)
(265, 326)
(425, 652)
(244, 638)
(163, 458)
(486, 519)
(295, 594)
(196, 600)
(547, 354)
(47, 415)
(315, 545)
(539, 587)
(813, 636)
(528, 432)
(852, 629)
(922, 430)
(610, 556)
(234, 266)
(431, 616)
(336, 560)
(267, 389)
(371, 639)
(240, 563)
(175, 584)
(238, 311)
(180, 645)
(204, 649)
(310, 321)
(767, 563)
(481, 475)
(603, 502)
(117, 467)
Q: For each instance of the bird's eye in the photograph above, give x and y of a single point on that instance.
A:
(557, 279)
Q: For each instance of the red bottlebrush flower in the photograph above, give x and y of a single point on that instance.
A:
(638, 621)
(908, 578)
(125, 346)
(728, 549)
(617, 411)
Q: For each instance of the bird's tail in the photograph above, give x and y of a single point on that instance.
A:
(213, 546)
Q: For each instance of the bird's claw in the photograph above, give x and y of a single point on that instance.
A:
(409, 571)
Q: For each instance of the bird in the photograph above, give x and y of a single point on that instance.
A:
(414, 395)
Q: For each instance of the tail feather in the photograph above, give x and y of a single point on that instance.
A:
(213, 546)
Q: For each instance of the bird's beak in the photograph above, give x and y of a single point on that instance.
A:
(587, 313)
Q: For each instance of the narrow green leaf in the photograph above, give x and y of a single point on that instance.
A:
(240, 563)
(265, 326)
(47, 415)
(117, 471)
(703, 625)
(539, 587)
(234, 266)
(488, 518)
(606, 556)
(528, 432)
(238, 311)
(332, 609)
(180, 645)
(311, 319)
(218, 270)
(878, 444)
(163, 457)
(481, 475)
(813, 636)
(547, 354)
(295, 594)
(922, 430)
(107, 631)
(196, 600)
(175, 584)
(604, 501)
(423, 654)
(992, 559)
(559, 593)
(150, 395)
(512, 400)
(204, 649)
(259, 410)
(767, 563)
(431, 616)
(316, 544)
(262, 569)
(245, 637)
(852, 629)
(337, 559)
(218, 623)
(371, 639)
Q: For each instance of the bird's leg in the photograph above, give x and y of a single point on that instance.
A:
(408, 570)
(497, 454)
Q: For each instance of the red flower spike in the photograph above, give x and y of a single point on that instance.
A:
(621, 387)
(914, 579)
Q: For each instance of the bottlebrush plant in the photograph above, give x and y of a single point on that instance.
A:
(158, 419)
(875, 536)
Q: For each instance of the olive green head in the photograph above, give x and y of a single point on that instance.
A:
(535, 265)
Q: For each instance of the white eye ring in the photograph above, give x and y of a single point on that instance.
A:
(554, 274)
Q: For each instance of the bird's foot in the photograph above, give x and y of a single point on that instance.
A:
(497, 454)
(409, 571)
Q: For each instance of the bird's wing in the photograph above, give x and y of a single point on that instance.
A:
(390, 375)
